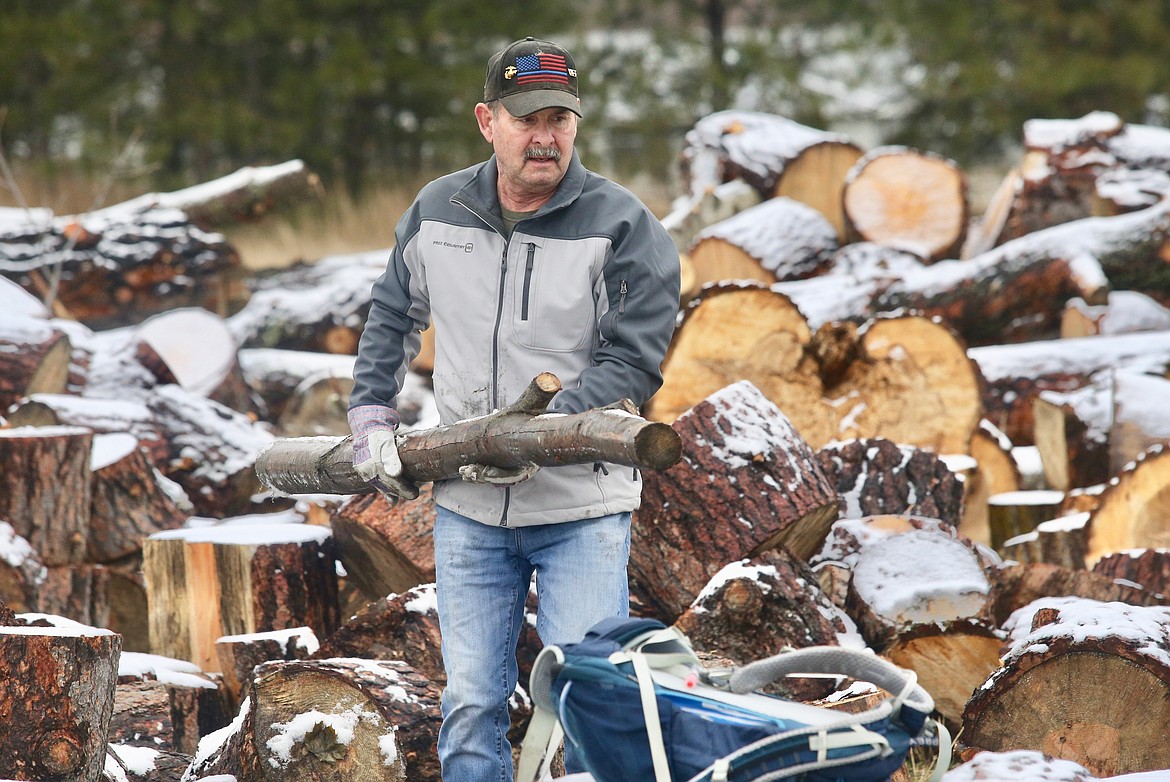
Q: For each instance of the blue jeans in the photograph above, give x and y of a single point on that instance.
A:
(483, 574)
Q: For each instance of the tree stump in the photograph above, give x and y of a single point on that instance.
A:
(776, 156)
(1071, 431)
(907, 199)
(234, 579)
(996, 472)
(780, 239)
(394, 627)
(314, 307)
(746, 483)
(906, 378)
(34, 359)
(757, 607)
(56, 701)
(45, 489)
(129, 500)
(386, 549)
(188, 703)
(877, 476)
(1088, 683)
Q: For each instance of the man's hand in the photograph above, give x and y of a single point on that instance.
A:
(498, 476)
(375, 451)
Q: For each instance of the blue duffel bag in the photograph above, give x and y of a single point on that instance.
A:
(635, 703)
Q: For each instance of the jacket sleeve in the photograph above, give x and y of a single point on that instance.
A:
(642, 289)
(392, 334)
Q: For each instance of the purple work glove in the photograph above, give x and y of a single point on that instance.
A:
(375, 451)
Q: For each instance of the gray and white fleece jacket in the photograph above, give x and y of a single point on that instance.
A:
(587, 288)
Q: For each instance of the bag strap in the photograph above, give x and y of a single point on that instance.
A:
(650, 716)
(541, 738)
(544, 729)
(866, 666)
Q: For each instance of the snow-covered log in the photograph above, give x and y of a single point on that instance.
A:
(1123, 312)
(386, 548)
(747, 482)
(773, 154)
(780, 239)
(1084, 681)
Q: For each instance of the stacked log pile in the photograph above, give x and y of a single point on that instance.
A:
(857, 377)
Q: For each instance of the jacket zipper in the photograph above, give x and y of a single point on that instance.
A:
(496, 363)
(527, 281)
(622, 301)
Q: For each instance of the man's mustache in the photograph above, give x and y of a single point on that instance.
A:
(542, 153)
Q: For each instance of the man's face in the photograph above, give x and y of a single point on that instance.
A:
(532, 152)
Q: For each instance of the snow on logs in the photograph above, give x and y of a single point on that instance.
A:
(329, 720)
(780, 239)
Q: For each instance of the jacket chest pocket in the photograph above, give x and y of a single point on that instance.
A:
(554, 300)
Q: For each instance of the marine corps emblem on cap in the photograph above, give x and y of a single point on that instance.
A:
(531, 75)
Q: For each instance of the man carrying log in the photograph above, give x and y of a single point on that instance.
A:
(526, 263)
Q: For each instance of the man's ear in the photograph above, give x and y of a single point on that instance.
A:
(483, 116)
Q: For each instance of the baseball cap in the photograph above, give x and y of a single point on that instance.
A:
(531, 75)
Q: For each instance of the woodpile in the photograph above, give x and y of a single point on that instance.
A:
(900, 428)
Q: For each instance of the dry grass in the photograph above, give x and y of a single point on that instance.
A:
(336, 225)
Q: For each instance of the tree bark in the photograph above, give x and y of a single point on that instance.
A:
(128, 502)
(57, 700)
(909, 200)
(393, 627)
(1017, 585)
(511, 437)
(45, 489)
(1149, 568)
(747, 483)
(877, 476)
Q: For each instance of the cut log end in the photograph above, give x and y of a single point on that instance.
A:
(658, 446)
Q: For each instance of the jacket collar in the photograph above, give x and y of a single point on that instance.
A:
(480, 192)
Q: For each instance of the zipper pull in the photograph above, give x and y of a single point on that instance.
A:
(622, 301)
